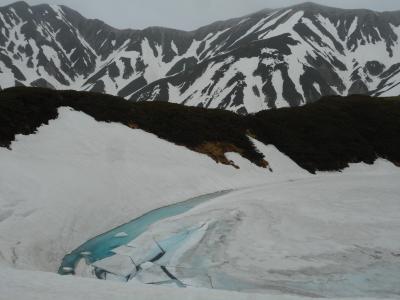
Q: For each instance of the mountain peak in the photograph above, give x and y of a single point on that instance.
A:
(270, 59)
(309, 5)
(312, 6)
(18, 5)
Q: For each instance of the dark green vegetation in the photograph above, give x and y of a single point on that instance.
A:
(335, 131)
(326, 135)
(22, 110)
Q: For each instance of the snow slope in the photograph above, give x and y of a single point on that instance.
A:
(83, 177)
(332, 235)
(25, 285)
(286, 232)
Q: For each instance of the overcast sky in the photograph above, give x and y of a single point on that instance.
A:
(188, 14)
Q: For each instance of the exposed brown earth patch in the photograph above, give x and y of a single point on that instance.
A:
(133, 125)
(217, 151)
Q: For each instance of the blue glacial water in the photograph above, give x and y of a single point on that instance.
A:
(101, 246)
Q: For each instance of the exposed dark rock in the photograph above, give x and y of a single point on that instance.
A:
(128, 69)
(98, 87)
(358, 87)
(132, 87)
(374, 68)
(42, 83)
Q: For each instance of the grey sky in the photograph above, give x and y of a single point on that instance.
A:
(188, 14)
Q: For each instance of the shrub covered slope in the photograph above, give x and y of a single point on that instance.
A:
(326, 135)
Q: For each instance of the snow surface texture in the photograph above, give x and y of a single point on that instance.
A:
(286, 232)
(23, 285)
(328, 236)
(77, 178)
(273, 58)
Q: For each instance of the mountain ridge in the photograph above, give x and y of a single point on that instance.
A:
(271, 58)
(326, 135)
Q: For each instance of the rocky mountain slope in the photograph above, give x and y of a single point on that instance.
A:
(273, 58)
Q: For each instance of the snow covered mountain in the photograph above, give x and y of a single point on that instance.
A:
(273, 58)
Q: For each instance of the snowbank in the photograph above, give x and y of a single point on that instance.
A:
(16, 284)
(77, 178)
(332, 235)
(286, 232)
